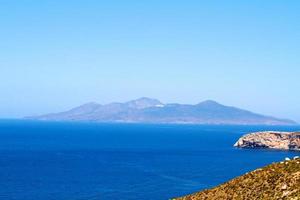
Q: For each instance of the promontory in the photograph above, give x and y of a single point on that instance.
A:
(271, 140)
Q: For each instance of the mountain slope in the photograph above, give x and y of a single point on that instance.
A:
(146, 110)
(279, 181)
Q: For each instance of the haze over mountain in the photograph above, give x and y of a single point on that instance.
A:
(147, 110)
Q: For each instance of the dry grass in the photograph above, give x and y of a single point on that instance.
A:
(279, 181)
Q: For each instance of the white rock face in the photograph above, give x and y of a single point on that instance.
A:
(270, 139)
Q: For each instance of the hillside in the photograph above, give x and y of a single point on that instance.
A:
(278, 181)
(146, 110)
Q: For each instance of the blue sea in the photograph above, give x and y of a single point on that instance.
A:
(90, 161)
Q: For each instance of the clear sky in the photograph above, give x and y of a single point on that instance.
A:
(58, 54)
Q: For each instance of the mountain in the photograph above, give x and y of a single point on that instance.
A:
(147, 110)
(276, 181)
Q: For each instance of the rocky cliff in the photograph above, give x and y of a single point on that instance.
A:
(278, 181)
(270, 139)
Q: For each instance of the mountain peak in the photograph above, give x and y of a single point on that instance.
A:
(209, 103)
(146, 99)
(143, 102)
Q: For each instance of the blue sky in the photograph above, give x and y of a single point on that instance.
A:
(58, 54)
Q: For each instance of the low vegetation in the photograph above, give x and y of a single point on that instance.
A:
(273, 182)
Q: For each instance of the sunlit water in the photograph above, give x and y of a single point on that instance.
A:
(82, 161)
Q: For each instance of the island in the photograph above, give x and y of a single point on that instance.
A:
(276, 181)
(148, 110)
(270, 140)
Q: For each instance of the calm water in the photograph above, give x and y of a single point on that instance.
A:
(86, 161)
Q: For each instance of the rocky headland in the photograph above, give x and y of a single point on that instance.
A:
(277, 181)
(271, 140)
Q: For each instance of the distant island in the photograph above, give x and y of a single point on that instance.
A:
(271, 140)
(276, 181)
(147, 110)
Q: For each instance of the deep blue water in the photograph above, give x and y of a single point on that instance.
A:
(87, 161)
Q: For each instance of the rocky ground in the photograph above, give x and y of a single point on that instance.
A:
(278, 181)
(270, 139)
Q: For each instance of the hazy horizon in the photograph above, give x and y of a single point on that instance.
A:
(57, 55)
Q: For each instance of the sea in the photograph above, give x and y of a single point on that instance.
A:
(99, 161)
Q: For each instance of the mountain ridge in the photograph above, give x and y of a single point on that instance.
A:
(149, 110)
